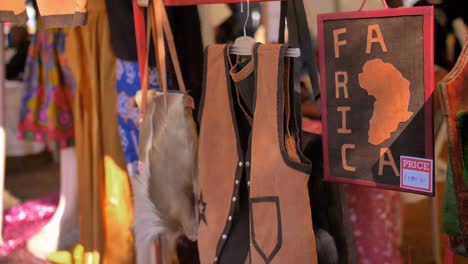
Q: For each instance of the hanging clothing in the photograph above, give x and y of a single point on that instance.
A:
(454, 91)
(105, 205)
(46, 114)
(253, 197)
(53, 13)
(376, 219)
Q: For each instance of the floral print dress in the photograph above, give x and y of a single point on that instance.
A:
(46, 114)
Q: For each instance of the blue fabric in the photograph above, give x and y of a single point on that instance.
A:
(128, 83)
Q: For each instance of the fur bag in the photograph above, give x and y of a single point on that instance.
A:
(164, 190)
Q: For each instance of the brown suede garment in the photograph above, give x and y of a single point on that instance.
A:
(280, 215)
(280, 210)
(217, 154)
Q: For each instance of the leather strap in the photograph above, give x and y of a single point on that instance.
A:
(297, 23)
(158, 25)
(172, 49)
(364, 3)
(282, 26)
(140, 36)
(145, 80)
(155, 16)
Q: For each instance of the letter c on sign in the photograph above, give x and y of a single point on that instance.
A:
(344, 161)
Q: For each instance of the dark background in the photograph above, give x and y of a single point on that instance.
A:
(403, 37)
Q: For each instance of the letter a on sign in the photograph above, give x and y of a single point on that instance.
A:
(378, 39)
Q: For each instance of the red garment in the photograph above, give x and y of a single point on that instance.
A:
(376, 219)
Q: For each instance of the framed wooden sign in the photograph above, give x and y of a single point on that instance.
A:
(377, 83)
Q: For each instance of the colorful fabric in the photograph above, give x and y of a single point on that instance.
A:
(23, 221)
(128, 83)
(46, 114)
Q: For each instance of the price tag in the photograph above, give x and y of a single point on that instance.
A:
(416, 174)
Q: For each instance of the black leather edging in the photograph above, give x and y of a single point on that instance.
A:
(295, 122)
(232, 209)
(306, 168)
(239, 169)
(240, 150)
(279, 242)
(202, 97)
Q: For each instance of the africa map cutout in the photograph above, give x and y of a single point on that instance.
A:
(392, 96)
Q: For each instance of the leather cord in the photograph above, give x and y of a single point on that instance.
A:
(364, 3)
(159, 27)
(294, 11)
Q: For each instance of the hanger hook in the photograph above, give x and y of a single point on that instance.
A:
(247, 18)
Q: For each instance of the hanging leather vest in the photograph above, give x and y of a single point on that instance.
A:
(267, 164)
(454, 94)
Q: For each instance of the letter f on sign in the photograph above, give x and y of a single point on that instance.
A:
(336, 42)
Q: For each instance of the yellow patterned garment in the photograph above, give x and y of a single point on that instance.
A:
(54, 13)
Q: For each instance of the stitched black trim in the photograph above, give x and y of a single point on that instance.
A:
(306, 168)
(239, 169)
(231, 101)
(232, 209)
(202, 97)
(295, 122)
(254, 105)
(279, 242)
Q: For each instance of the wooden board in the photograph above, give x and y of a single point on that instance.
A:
(376, 71)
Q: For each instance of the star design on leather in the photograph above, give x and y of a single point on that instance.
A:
(201, 209)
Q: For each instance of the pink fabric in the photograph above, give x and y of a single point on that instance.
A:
(376, 219)
(449, 257)
(313, 126)
(23, 221)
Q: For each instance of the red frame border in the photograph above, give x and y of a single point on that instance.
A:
(207, 2)
(428, 34)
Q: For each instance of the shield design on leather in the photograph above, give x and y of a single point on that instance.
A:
(266, 235)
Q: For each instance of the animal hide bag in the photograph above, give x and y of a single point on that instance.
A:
(164, 189)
